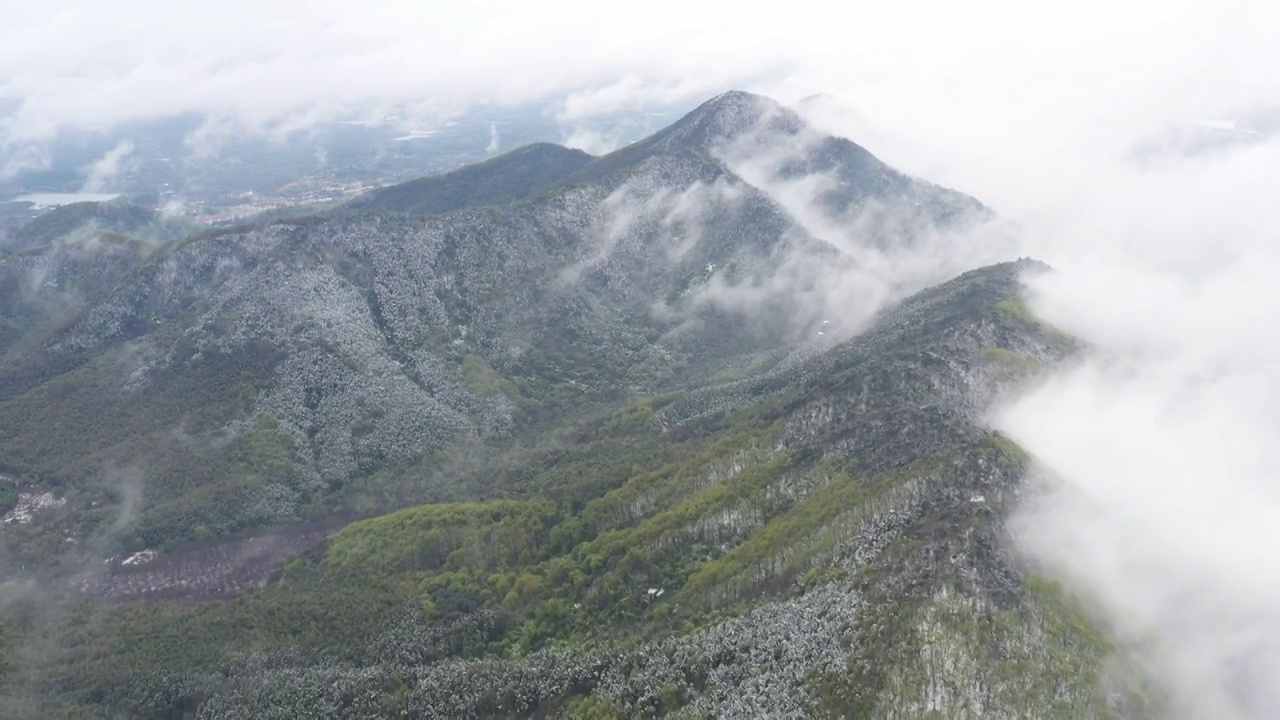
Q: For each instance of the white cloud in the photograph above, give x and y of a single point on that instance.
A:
(1167, 501)
(83, 63)
(593, 141)
(99, 175)
(494, 140)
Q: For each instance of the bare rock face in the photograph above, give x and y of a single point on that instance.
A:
(206, 571)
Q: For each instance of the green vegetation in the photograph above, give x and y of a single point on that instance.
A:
(1008, 358)
(168, 432)
(483, 380)
(1016, 307)
(537, 560)
(113, 219)
(787, 545)
(93, 653)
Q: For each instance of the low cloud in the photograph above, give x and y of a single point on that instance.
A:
(495, 143)
(263, 66)
(593, 141)
(1164, 502)
(878, 250)
(22, 159)
(100, 175)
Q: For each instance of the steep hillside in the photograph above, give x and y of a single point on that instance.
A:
(518, 175)
(825, 540)
(55, 263)
(706, 143)
(43, 287)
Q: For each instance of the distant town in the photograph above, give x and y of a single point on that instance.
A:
(308, 191)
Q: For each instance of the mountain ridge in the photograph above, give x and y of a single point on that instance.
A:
(517, 175)
(612, 448)
(697, 139)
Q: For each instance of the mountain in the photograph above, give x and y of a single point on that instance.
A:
(550, 435)
(83, 221)
(732, 123)
(518, 175)
(741, 131)
(53, 264)
(84, 218)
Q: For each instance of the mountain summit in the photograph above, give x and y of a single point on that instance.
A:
(727, 117)
(713, 141)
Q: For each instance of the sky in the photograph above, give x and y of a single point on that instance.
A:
(986, 67)
(1074, 121)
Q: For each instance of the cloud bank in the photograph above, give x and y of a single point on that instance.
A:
(99, 175)
(1165, 507)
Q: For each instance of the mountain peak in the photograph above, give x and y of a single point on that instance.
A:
(737, 99)
(730, 115)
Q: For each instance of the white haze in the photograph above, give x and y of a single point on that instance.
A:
(1167, 509)
(1164, 506)
(1162, 500)
(887, 252)
(99, 175)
